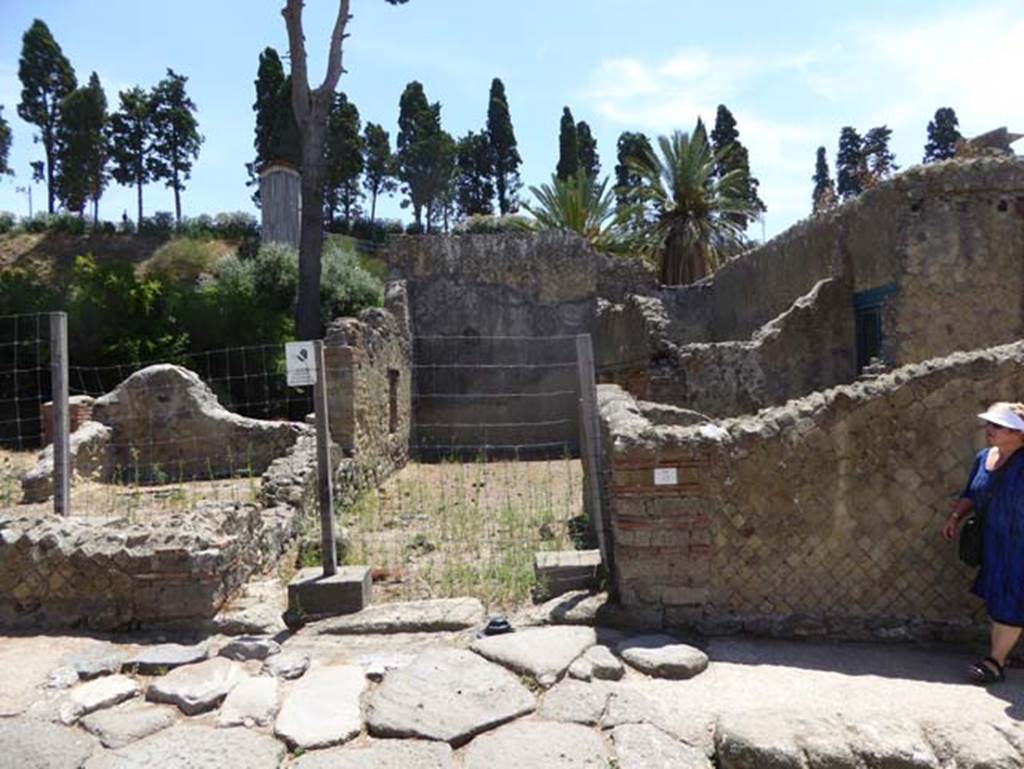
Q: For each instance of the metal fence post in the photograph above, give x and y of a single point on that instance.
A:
(328, 548)
(590, 446)
(61, 418)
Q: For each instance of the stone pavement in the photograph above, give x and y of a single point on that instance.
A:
(557, 697)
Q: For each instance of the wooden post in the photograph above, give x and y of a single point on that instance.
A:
(590, 447)
(328, 548)
(61, 419)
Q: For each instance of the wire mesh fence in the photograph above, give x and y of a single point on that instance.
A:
(495, 476)
(24, 387)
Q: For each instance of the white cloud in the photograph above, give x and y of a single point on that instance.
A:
(787, 102)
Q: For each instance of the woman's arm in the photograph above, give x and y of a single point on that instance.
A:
(961, 509)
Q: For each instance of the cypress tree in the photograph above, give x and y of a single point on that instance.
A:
(503, 149)
(131, 141)
(824, 196)
(379, 166)
(849, 164)
(589, 161)
(277, 135)
(731, 155)
(5, 144)
(568, 147)
(879, 161)
(46, 78)
(474, 176)
(425, 153)
(83, 154)
(633, 149)
(943, 134)
(176, 137)
(344, 148)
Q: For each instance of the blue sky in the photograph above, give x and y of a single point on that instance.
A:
(792, 73)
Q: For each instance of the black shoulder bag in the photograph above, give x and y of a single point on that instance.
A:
(969, 547)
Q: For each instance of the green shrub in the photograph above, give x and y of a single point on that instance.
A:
(235, 225)
(39, 222)
(160, 224)
(21, 291)
(484, 224)
(181, 261)
(7, 221)
(345, 287)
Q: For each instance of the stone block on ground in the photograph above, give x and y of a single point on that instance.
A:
(538, 745)
(253, 702)
(971, 744)
(287, 665)
(196, 688)
(581, 669)
(311, 594)
(603, 664)
(88, 450)
(385, 754)
(95, 662)
(643, 746)
(257, 611)
(96, 695)
(430, 616)
(29, 744)
(250, 648)
(191, 746)
(560, 571)
(890, 741)
(663, 656)
(544, 653)
(632, 706)
(757, 739)
(160, 658)
(574, 702)
(129, 722)
(446, 694)
(322, 708)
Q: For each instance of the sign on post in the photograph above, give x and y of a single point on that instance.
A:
(301, 362)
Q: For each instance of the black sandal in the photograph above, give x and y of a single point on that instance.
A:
(986, 671)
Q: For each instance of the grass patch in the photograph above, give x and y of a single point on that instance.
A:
(464, 528)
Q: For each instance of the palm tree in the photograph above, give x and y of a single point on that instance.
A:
(578, 204)
(699, 217)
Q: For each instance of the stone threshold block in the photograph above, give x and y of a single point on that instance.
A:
(311, 594)
(560, 571)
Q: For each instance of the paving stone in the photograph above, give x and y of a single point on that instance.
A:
(322, 708)
(824, 741)
(385, 754)
(978, 745)
(63, 677)
(256, 612)
(663, 656)
(377, 665)
(579, 607)
(630, 706)
(129, 722)
(581, 669)
(250, 648)
(604, 664)
(759, 739)
(890, 742)
(288, 665)
(544, 652)
(446, 694)
(574, 701)
(191, 746)
(253, 702)
(29, 744)
(196, 688)
(158, 659)
(96, 695)
(439, 614)
(99, 661)
(538, 745)
(643, 746)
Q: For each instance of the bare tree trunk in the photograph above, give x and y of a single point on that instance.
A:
(138, 222)
(311, 108)
(50, 192)
(177, 200)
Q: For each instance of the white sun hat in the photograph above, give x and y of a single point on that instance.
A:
(1004, 418)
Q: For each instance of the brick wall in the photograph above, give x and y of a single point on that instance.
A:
(820, 517)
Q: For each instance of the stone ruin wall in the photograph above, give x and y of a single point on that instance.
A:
(106, 573)
(942, 243)
(819, 518)
(368, 362)
(517, 286)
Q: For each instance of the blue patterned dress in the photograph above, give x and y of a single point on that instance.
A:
(1000, 580)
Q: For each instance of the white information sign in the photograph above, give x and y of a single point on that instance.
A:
(666, 476)
(301, 365)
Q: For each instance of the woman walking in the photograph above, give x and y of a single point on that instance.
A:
(996, 487)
